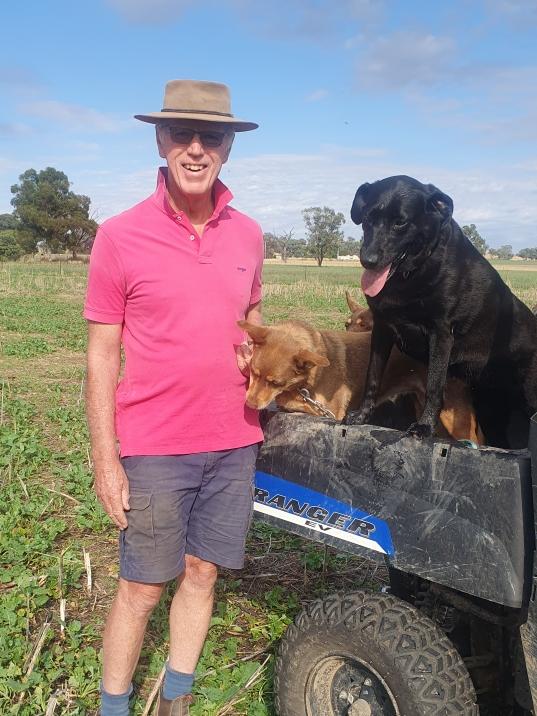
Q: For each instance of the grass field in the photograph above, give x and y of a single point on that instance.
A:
(58, 563)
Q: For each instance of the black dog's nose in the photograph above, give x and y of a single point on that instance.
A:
(369, 260)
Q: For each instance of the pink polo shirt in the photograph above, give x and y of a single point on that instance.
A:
(178, 297)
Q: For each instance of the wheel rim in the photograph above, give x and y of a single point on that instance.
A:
(342, 685)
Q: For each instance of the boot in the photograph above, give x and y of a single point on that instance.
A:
(176, 707)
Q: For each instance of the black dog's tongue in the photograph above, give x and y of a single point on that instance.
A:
(373, 281)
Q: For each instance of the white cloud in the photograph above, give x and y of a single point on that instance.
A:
(13, 129)
(314, 21)
(74, 117)
(311, 20)
(317, 95)
(406, 59)
(18, 78)
(150, 12)
(274, 189)
(520, 13)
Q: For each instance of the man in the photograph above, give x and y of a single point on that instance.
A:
(168, 280)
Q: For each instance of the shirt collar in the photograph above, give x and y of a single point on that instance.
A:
(222, 195)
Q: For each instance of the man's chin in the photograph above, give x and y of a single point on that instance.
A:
(194, 186)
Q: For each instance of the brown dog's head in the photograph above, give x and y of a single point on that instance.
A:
(278, 364)
(361, 319)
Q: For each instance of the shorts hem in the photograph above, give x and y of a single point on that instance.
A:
(168, 576)
(214, 559)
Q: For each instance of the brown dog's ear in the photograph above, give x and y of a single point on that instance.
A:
(359, 203)
(351, 303)
(305, 359)
(257, 333)
(439, 202)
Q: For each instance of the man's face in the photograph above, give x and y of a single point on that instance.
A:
(194, 162)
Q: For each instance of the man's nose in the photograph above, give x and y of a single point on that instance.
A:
(195, 146)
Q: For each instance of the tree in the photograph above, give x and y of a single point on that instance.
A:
(503, 252)
(270, 241)
(350, 247)
(297, 248)
(285, 239)
(10, 249)
(473, 235)
(323, 231)
(277, 244)
(79, 228)
(528, 253)
(48, 211)
(8, 221)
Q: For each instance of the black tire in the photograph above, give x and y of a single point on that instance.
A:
(359, 648)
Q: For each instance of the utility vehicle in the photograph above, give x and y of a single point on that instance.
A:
(455, 631)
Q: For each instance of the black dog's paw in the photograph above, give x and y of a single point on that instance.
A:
(355, 417)
(420, 430)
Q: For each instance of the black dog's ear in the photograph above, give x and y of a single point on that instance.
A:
(437, 201)
(359, 203)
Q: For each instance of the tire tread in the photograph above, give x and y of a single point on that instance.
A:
(422, 654)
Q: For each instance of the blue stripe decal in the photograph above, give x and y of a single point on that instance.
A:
(300, 505)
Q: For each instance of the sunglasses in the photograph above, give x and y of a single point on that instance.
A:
(184, 135)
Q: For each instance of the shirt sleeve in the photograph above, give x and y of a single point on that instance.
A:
(257, 283)
(106, 292)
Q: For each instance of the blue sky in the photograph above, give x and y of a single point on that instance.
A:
(345, 91)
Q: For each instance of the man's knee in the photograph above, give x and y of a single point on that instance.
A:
(139, 598)
(200, 574)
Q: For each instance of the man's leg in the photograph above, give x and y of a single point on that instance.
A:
(190, 613)
(124, 632)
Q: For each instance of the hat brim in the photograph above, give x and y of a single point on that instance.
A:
(238, 125)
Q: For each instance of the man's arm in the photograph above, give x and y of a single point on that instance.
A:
(253, 314)
(103, 365)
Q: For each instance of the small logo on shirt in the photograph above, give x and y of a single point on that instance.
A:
(241, 268)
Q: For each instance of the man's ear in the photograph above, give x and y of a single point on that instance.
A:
(257, 333)
(159, 142)
(359, 203)
(304, 360)
(437, 201)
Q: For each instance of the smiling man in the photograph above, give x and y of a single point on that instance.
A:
(168, 281)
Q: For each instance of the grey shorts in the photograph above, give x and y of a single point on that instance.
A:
(199, 504)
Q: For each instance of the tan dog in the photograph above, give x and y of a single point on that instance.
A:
(332, 366)
(361, 319)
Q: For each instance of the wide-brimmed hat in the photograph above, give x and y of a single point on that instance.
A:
(194, 99)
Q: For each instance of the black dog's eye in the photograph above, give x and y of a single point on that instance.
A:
(400, 225)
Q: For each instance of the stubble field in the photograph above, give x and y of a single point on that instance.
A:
(58, 564)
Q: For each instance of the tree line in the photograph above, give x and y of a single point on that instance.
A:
(325, 239)
(48, 216)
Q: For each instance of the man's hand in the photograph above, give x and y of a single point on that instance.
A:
(244, 356)
(112, 489)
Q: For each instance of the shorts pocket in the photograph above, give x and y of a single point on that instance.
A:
(139, 535)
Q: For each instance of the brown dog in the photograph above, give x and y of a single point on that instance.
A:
(332, 366)
(361, 319)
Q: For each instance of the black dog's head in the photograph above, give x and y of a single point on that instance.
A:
(402, 221)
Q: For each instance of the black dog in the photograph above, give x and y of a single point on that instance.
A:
(434, 295)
